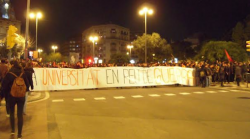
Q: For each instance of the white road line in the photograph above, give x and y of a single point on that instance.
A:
(154, 95)
(223, 91)
(119, 97)
(100, 98)
(58, 100)
(185, 93)
(170, 94)
(79, 99)
(211, 92)
(198, 92)
(234, 90)
(137, 96)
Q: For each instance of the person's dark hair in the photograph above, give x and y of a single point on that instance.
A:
(29, 65)
(15, 64)
(3, 61)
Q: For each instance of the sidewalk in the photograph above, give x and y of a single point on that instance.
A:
(34, 96)
(243, 85)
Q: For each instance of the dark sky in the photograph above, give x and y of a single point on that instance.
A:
(173, 19)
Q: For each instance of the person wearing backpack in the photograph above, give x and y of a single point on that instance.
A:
(15, 85)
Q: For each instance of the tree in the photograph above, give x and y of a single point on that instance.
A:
(52, 57)
(241, 32)
(215, 50)
(183, 50)
(238, 34)
(119, 58)
(155, 45)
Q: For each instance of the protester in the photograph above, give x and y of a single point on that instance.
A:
(6, 88)
(238, 74)
(203, 76)
(3, 71)
(28, 70)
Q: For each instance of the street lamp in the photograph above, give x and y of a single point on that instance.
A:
(93, 39)
(54, 47)
(37, 16)
(39, 51)
(145, 11)
(27, 30)
(130, 47)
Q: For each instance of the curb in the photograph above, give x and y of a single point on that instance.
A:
(42, 96)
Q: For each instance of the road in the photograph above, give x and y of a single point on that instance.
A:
(140, 113)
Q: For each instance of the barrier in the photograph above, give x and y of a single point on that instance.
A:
(103, 77)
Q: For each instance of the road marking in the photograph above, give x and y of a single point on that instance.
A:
(137, 96)
(170, 94)
(119, 97)
(79, 99)
(46, 97)
(58, 100)
(198, 92)
(100, 98)
(211, 92)
(185, 93)
(154, 95)
(234, 90)
(223, 91)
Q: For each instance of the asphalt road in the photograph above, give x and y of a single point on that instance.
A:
(141, 113)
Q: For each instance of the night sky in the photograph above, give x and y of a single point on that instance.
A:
(173, 19)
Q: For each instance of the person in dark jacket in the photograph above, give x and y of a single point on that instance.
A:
(222, 74)
(28, 70)
(6, 88)
(203, 75)
(238, 74)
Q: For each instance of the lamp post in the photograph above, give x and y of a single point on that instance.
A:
(27, 30)
(37, 16)
(145, 11)
(93, 39)
(54, 47)
(130, 47)
(39, 51)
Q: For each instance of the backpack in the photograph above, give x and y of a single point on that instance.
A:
(202, 73)
(18, 88)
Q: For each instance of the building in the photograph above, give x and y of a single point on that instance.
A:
(7, 18)
(111, 39)
(72, 46)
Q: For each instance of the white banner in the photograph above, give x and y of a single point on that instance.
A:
(100, 77)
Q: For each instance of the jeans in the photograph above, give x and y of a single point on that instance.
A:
(20, 103)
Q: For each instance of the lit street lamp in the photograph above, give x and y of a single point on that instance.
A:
(37, 16)
(54, 47)
(146, 11)
(39, 51)
(130, 47)
(93, 39)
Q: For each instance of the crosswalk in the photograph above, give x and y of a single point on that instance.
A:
(156, 95)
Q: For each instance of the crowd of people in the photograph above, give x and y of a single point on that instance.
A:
(205, 75)
(9, 72)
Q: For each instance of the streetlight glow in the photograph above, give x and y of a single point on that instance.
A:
(39, 51)
(37, 16)
(130, 47)
(32, 15)
(54, 47)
